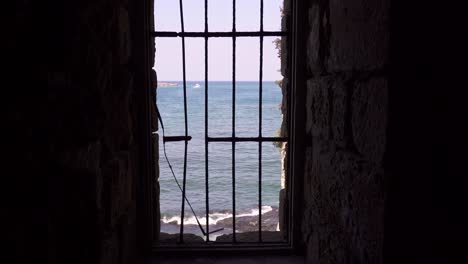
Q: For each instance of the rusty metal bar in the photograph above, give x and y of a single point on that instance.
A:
(184, 179)
(219, 34)
(207, 202)
(247, 139)
(233, 122)
(260, 98)
(176, 138)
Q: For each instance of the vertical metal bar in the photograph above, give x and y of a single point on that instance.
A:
(182, 213)
(233, 122)
(260, 128)
(207, 203)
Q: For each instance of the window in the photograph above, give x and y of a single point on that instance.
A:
(236, 140)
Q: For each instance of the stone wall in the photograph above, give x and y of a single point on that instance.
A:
(284, 85)
(346, 113)
(76, 142)
(92, 115)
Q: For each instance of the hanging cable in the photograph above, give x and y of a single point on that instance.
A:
(175, 178)
(173, 174)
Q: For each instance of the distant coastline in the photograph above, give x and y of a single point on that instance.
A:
(165, 84)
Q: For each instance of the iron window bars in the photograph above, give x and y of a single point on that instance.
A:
(233, 139)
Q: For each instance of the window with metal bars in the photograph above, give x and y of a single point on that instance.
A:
(234, 139)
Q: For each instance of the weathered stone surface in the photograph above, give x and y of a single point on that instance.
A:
(284, 45)
(284, 107)
(165, 238)
(91, 116)
(154, 79)
(369, 117)
(284, 54)
(285, 24)
(282, 217)
(359, 35)
(339, 110)
(285, 88)
(156, 188)
(124, 36)
(154, 86)
(313, 41)
(88, 157)
(250, 223)
(346, 123)
(345, 202)
(343, 188)
(317, 107)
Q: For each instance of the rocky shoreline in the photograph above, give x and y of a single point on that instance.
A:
(250, 223)
(246, 229)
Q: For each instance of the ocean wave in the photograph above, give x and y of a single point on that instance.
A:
(214, 218)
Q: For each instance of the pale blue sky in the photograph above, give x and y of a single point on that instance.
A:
(168, 50)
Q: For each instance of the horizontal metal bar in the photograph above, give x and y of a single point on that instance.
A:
(247, 139)
(219, 34)
(278, 248)
(177, 138)
(238, 244)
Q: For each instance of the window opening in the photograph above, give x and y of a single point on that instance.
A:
(234, 139)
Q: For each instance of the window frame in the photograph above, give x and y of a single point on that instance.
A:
(296, 41)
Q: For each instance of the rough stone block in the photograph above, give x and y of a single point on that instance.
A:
(287, 6)
(124, 36)
(338, 95)
(343, 190)
(110, 250)
(154, 84)
(285, 26)
(313, 40)
(154, 79)
(284, 108)
(369, 117)
(313, 247)
(284, 45)
(359, 35)
(156, 187)
(282, 216)
(284, 57)
(119, 122)
(87, 157)
(317, 107)
(91, 136)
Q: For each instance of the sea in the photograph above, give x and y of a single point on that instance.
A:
(170, 102)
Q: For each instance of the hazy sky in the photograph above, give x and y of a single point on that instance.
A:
(168, 50)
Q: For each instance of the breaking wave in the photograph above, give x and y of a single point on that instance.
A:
(214, 218)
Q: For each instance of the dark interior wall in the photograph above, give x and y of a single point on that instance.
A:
(386, 131)
(386, 125)
(427, 136)
(92, 132)
(77, 141)
(346, 125)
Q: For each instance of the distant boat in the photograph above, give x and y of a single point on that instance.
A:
(196, 86)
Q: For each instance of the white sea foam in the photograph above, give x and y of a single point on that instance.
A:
(214, 218)
(254, 212)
